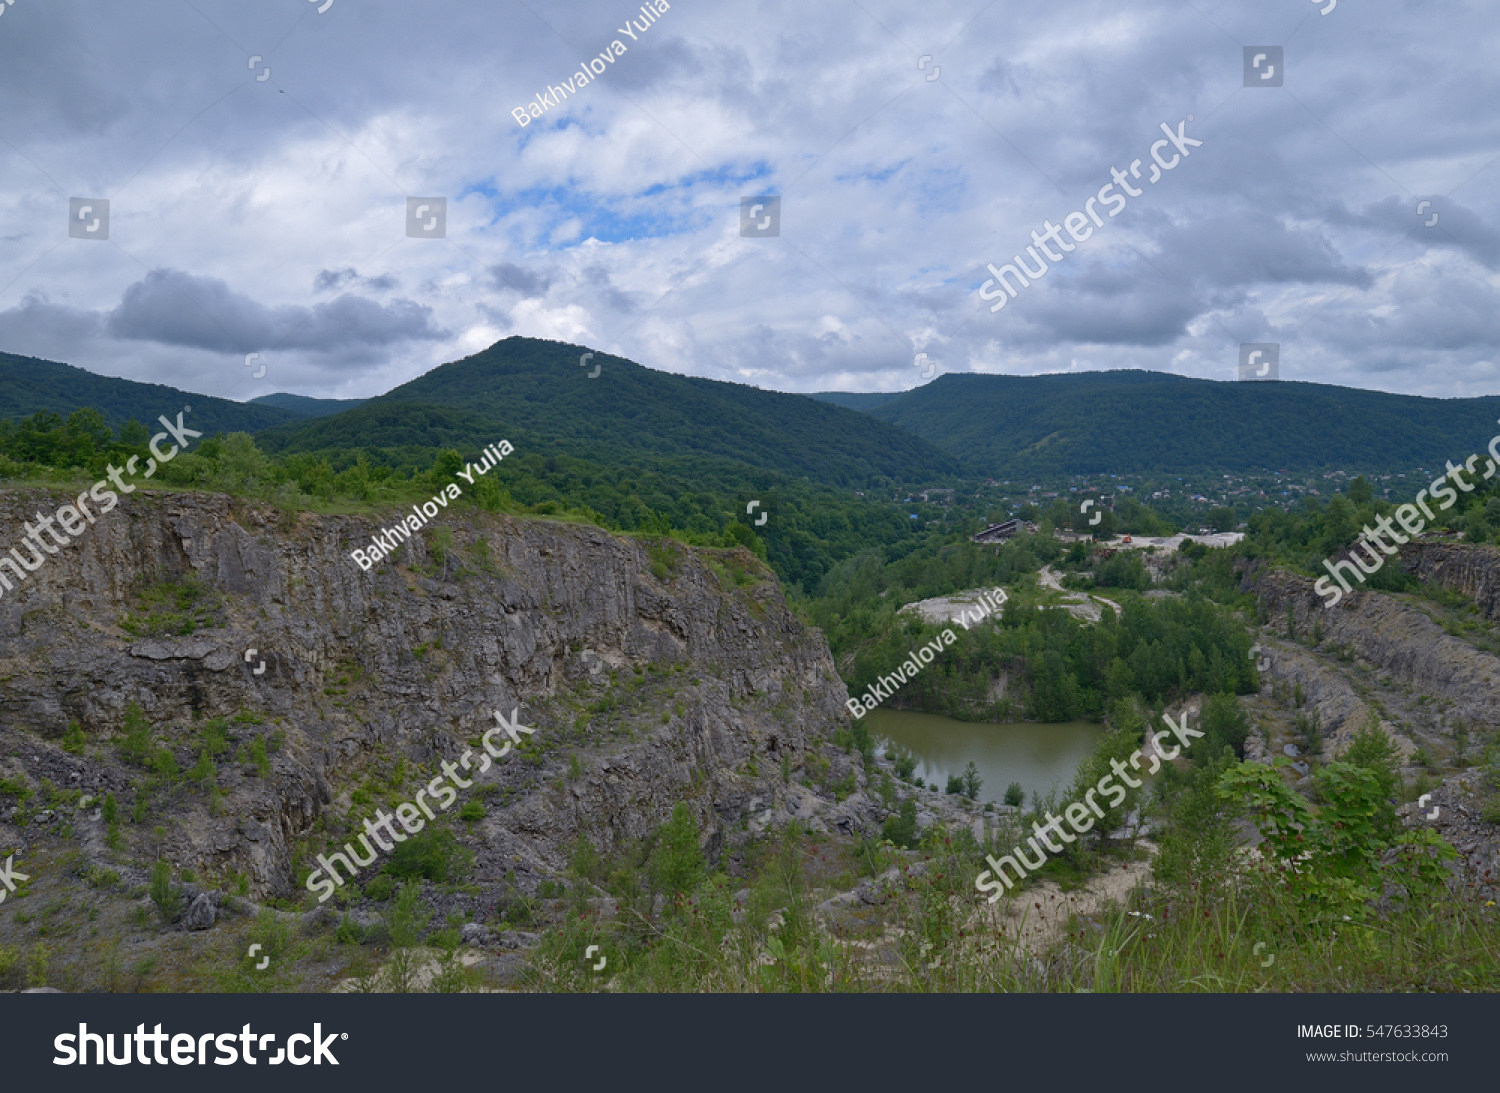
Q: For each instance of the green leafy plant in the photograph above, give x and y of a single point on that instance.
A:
(73, 740)
(901, 829)
(110, 810)
(164, 894)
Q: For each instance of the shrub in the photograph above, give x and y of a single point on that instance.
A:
(972, 782)
(164, 765)
(73, 740)
(135, 737)
(472, 811)
(258, 756)
(382, 887)
(901, 829)
(204, 772)
(163, 892)
(677, 864)
(434, 855)
(111, 813)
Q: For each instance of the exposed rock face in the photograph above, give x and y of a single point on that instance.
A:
(1471, 571)
(1394, 637)
(201, 913)
(409, 659)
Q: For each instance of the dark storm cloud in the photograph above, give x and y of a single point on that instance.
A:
(176, 308)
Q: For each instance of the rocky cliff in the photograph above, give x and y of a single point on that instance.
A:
(1471, 571)
(1403, 650)
(651, 673)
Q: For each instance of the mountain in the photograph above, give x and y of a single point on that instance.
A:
(535, 394)
(306, 407)
(850, 400)
(1137, 422)
(29, 385)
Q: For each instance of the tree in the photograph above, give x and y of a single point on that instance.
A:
(1371, 749)
(678, 863)
(1224, 725)
(1220, 519)
(901, 829)
(1015, 796)
(163, 892)
(971, 781)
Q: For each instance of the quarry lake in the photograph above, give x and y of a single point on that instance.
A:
(1038, 755)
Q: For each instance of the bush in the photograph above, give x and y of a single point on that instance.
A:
(165, 894)
(258, 756)
(1015, 796)
(73, 740)
(1224, 725)
(1124, 570)
(111, 812)
(135, 737)
(472, 811)
(677, 865)
(382, 887)
(901, 829)
(972, 783)
(955, 784)
(434, 855)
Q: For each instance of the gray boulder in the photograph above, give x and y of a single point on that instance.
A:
(201, 913)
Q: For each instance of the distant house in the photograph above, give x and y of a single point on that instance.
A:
(998, 533)
(940, 495)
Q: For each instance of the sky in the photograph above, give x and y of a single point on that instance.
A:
(264, 165)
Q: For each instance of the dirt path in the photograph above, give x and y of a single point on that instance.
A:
(1039, 916)
(1078, 604)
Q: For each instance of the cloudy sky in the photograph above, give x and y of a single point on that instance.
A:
(258, 160)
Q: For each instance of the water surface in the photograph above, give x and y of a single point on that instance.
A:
(1040, 756)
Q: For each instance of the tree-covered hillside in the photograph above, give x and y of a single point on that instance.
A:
(536, 393)
(1133, 422)
(29, 386)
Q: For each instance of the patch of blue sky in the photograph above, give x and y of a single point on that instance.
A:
(661, 210)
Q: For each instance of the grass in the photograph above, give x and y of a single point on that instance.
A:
(1234, 927)
(172, 609)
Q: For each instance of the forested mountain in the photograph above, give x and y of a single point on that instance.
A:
(303, 406)
(853, 401)
(29, 385)
(1130, 422)
(537, 394)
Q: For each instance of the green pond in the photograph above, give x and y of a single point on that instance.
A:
(1040, 756)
